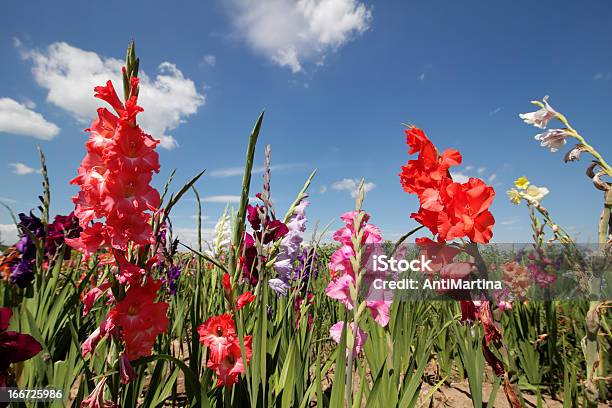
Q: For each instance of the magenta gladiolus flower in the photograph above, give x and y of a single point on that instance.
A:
(14, 347)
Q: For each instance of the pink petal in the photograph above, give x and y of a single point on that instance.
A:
(380, 311)
(339, 289)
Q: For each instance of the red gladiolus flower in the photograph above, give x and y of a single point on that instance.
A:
(448, 209)
(14, 347)
(114, 177)
(141, 319)
(492, 360)
(8, 259)
(244, 299)
(91, 239)
(227, 283)
(230, 365)
(217, 333)
(128, 272)
(115, 206)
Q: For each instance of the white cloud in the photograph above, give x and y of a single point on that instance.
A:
(468, 171)
(22, 169)
(421, 77)
(189, 236)
(602, 76)
(323, 189)
(291, 33)
(209, 60)
(8, 234)
(20, 119)
(222, 199)
(7, 200)
(239, 171)
(508, 222)
(352, 186)
(70, 74)
(228, 172)
(495, 111)
(459, 177)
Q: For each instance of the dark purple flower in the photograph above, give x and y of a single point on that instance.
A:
(63, 226)
(22, 274)
(33, 224)
(307, 265)
(297, 304)
(248, 259)
(14, 347)
(171, 279)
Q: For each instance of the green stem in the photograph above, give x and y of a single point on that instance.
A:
(244, 197)
(574, 133)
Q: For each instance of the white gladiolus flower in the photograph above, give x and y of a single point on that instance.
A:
(221, 240)
(541, 117)
(534, 194)
(553, 139)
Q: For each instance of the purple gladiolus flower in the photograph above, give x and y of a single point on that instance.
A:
(308, 266)
(32, 229)
(22, 273)
(26, 247)
(289, 250)
(171, 279)
(280, 286)
(33, 224)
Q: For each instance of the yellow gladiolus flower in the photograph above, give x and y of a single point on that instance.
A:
(521, 183)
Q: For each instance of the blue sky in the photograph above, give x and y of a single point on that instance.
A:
(336, 79)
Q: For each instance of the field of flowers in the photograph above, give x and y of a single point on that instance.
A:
(106, 305)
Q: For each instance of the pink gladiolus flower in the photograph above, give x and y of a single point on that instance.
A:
(379, 310)
(96, 398)
(126, 372)
(371, 234)
(360, 337)
(91, 342)
(341, 268)
(340, 261)
(339, 289)
(90, 297)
